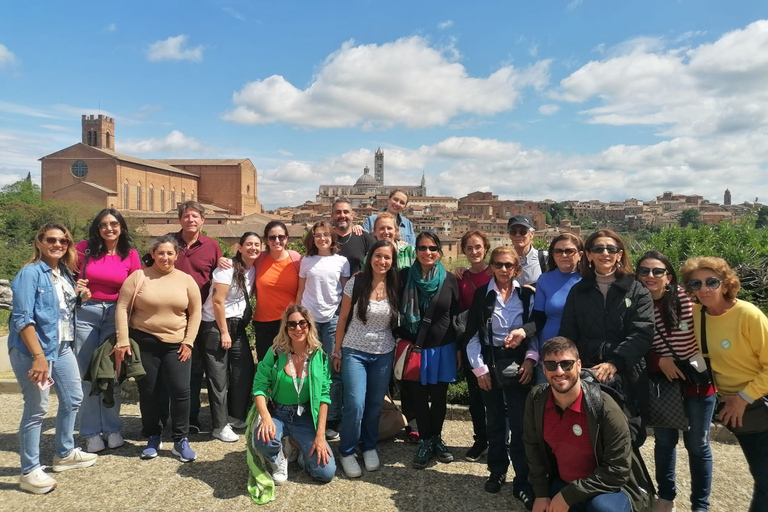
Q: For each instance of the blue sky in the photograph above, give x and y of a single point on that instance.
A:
(574, 99)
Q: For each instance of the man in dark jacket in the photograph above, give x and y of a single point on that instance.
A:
(578, 443)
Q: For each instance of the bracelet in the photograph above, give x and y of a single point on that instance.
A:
(336, 355)
(38, 354)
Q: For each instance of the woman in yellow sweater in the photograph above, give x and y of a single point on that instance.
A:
(163, 320)
(735, 333)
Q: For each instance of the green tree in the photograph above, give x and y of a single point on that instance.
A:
(690, 217)
(557, 212)
(762, 217)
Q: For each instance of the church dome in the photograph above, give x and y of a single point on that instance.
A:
(366, 180)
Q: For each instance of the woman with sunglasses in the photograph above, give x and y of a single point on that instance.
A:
(499, 308)
(277, 281)
(426, 281)
(226, 348)
(105, 261)
(609, 315)
(293, 379)
(674, 340)
(322, 276)
(736, 335)
(564, 267)
(42, 329)
(364, 353)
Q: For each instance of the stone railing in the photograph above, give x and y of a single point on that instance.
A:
(6, 297)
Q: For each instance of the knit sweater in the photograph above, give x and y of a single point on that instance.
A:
(168, 306)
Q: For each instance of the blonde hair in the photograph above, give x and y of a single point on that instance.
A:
(69, 259)
(719, 266)
(385, 216)
(500, 251)
(282, 342)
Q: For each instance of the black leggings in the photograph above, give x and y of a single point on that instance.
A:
(265, 336)
(429, 418)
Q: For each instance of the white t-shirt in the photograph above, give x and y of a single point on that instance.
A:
(375, 335)
(322, 290)
(67, 299)
(235, 302)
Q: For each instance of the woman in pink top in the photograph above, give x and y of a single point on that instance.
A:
(105, 260)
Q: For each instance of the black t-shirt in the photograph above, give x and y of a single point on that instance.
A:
(355, 248)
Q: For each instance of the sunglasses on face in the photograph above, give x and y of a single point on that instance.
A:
(424, 248)
(51, 240)
(565, 252)
(657, 272)
(599, 249)
(105, 225)
(712, 283)
(292, 326)
(277, 238)
(506, 264)
(566, 365)
(518, 231)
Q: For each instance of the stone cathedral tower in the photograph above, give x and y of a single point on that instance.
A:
(99, 132)
(378, 167)
(727, 198)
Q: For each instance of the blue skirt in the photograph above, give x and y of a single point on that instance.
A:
(438, 364)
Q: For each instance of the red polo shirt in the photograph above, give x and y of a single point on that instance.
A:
(567, 434)
(199, 260)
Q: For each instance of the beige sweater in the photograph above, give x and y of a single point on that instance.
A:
(167, 306)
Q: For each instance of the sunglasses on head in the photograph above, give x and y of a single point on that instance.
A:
(104, 225)
(566, 365)
(565, 252)
(712, 283)
(518, 231)
(430, 248)
(277, 238)
(505, 264)
(657, 272)
(51, 240)
(599, 249)
(292, 326)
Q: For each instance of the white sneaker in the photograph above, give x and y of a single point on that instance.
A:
(37, 481)
(115, 440)
(225, 434)
(280, 469)
(291, 453)
(76, 459)
(236, 423)
(94, 444)
(331, 434)
(351, 467)
(371, 460)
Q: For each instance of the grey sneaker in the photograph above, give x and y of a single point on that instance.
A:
(77, 458)
(280, 469)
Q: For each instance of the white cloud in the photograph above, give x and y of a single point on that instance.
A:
(112, 27)
(445, 24)
(284, 152)
(7, 58)
(174, 48)
(175, 143)
(235, 14)
(574, 4)
(548, 110)
(405, 82)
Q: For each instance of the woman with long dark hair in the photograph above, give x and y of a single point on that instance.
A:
(364, 353)
(227, 352)
(105, 261)
(674, 340)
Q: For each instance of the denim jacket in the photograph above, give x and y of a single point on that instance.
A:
(35, 302)
(405, 226)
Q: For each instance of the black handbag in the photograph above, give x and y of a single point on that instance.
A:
(692, 375)
(503, 370)
(666, 407)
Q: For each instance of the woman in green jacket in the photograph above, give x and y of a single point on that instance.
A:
(294, 377)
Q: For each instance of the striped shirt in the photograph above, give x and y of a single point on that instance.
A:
(681, 338)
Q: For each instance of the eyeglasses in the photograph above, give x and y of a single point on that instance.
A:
(104, 225)
(518, 231)
(292, 326)
(657, 272)
(565, 252)
(599, 249)
(277, 238)
(503, 264)
(320, 236)
(51, 240)
(566, 365)
(430, 248)
(712, 283)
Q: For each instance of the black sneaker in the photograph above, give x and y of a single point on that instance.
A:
(442, 452)
(525, 496)
(424, 452)
(493, 484)
(478, 449)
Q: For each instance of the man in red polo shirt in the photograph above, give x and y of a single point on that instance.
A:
(578, 443)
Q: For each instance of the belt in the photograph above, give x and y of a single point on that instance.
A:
(102, 301)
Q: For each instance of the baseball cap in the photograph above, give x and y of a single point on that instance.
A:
(520, 220)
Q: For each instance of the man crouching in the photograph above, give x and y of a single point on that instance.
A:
(578, 444)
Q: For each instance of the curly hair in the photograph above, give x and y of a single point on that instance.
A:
(282, 342)
(730, 281)
(552, 265)
(309, 239)
(622, 266)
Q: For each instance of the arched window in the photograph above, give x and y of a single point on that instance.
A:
(126, 194)
(183, 195)
(193, 196)
(151, 198)
(173, 198)
(109, 141)
(138, 196)
(162, 199)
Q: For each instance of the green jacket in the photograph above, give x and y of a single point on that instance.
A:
(318, 377)
(619, 465)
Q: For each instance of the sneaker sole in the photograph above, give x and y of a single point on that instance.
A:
(182, 459)
(79, 465)
(469, 458)
(226, 440)
(419, 465)
(149, 456)
(37, 490)
(445, 460)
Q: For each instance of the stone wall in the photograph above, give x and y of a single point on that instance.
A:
(5, 294)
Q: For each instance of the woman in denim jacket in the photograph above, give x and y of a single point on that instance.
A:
(42, 329)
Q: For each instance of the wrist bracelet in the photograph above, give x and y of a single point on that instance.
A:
(38, 354)
(336, 355)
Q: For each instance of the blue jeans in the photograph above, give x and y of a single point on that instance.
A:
(302, 430)
(95, 321)
(699, 411)
(366, 381)
(66, 377)
(609, 502)
(326, 331)
(755, 448)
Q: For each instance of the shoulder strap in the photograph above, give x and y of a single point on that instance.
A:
(357, 290)
(669, 346)
(139, 284)
(296, 259)
(704, 348)
(525, 297)
(426, 320)
(85, 263)
(542, 260)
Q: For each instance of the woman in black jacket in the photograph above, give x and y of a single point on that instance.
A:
(426, 281)
(609, 315)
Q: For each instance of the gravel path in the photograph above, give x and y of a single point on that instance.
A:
(120, 481)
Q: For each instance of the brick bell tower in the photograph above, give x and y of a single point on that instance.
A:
(99, 132)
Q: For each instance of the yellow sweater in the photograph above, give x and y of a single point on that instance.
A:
(167, 306)
(738, 348)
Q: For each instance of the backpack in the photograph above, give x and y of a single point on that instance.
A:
(542, 260)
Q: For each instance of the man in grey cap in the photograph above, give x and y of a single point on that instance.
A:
(533, 261)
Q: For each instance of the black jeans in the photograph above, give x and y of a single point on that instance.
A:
(196, 377)
(429, 418)
(162, 360)
(265, 336)
(230, 372)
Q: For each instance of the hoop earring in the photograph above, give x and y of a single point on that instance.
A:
(667, 287)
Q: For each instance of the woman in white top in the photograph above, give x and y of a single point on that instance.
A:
(228, 358)
(322, 276)
(364, 353)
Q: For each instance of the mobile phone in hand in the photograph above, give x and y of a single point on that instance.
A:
(45, 384)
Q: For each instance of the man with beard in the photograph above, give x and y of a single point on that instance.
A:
(351, 246)
(578, 444)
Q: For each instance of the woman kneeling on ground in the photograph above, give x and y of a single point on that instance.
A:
(293, 376)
